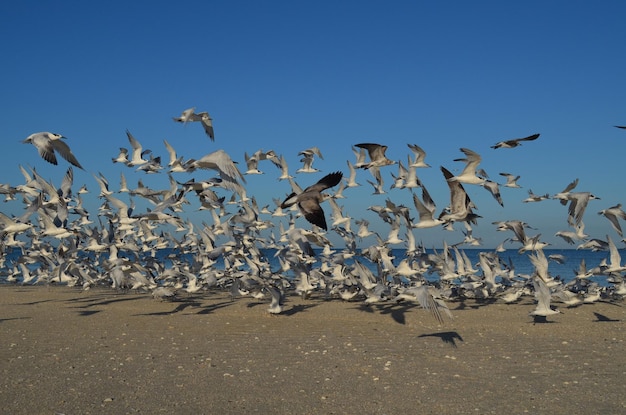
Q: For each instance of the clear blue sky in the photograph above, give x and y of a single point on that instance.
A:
(288, 75)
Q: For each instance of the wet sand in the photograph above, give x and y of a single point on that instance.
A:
(73, 352)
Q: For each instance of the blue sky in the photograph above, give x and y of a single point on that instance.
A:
(287, 75)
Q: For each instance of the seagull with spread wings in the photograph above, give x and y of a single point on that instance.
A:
(190, 115)
(514, 142)
(309, 199)
(47, 144)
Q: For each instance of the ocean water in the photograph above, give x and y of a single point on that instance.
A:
(565, 271)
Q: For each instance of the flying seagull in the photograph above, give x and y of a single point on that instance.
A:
(47, 143)
(514, 142)
(377, 155)
(309, 200)
(204, 117)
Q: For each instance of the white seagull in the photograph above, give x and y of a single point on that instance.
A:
(204, 117)
(377, 155)
(47, 143)
(468, 175)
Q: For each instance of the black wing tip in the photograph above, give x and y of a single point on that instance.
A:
(446, 173)
(332, 179)
(284, 205)
(317, 219)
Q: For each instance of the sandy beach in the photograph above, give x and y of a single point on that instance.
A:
(67, 351)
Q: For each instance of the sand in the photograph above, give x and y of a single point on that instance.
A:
(101, 351)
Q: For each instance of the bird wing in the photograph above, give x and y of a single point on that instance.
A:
(313, 212)
(65, 152)
(45, 149)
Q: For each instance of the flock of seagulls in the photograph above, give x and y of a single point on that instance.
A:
(59, 241)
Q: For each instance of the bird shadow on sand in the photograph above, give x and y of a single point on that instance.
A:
(601, 318)
(2, 320)
(298, 308)
(448, 337)
(104, 300)
(542, 320)
(396, 311)
(87, 313)
(184, 304)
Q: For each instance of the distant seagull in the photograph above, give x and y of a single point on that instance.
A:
(613, 214)
(204, 117)
(511, 180)
(138, 151)
(514, 142)
(46, 143)
(308, 156)
(571, 236)
(351, 182)
(377, 155)
(623, 127)
(309, 200)
(535, 198)
(419, 154)
(468, 175)
(563, 195)
(221, 162)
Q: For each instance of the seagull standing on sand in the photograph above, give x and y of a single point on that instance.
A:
(309, 200)
(47, 143)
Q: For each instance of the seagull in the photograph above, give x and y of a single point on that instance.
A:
(571, 236)
(623, 127)
(494, 189)
(377, 155)
(204, 117)
(426, 210)
(562, 196)
(511, 180)
(307, 160)
(351, 182)
(460, 208)
(535, 198)
(542, 291)
(468, 175)
(613, 214)
(615, 259)
(420, 155)
(578, 205)
(514, 142)
(138, 152)
(47, 143)
(309, 200)
(221, 162)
